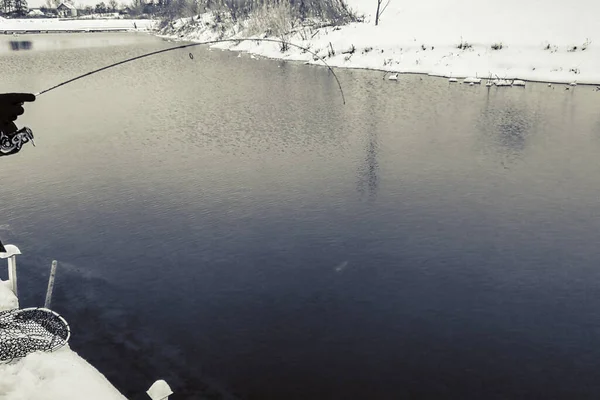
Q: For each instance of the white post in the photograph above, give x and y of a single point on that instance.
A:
(50, 285)
(11, 253)
(12, 274)
(159, 390)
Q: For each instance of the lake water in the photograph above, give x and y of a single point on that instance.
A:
(227, 224)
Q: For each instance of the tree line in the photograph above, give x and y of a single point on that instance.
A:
(16, 7)
(331, 10)
(335, 11)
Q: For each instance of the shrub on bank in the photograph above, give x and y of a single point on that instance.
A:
(272, 17)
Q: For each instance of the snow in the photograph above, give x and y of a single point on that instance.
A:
(159, 390)
(502, 82)
(8, 300)
(541, 41)
(34, 13)
(11, 250)
(55, 24)
(60, 375)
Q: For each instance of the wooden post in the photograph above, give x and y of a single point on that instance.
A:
(48, 301)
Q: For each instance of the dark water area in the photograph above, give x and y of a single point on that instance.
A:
(227, 224)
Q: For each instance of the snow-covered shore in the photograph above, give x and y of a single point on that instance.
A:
(55, 24)
(60, 375)
(518, 39)
(526, 39)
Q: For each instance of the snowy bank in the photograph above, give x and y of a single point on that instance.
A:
(530, 40)
(60, 375)
(8, 300)
(55, 24)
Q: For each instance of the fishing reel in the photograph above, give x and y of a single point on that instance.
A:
(11, 143)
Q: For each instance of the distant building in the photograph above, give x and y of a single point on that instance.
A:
(65, 10)
(35, 13)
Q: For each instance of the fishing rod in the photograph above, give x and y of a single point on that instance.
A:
(12, 143)
(193, 45)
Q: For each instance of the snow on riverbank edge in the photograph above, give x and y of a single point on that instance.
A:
(389, 47)
(55, 24)
(60, 375)
(492, 45)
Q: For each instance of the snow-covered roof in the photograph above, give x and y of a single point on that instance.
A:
(68, 5)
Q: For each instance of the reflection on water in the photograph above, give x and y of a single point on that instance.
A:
(368, 171)
(61, 41)
(210, 215)
(20, 45)
(506, 123)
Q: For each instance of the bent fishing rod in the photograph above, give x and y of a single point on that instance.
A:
(185, 46)
(12, 143)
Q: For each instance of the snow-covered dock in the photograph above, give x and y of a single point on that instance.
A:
(59, 375)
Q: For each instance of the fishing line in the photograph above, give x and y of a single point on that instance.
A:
(185, 46)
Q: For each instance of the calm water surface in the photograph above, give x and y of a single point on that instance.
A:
(228, 225)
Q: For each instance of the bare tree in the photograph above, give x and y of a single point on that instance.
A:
(53, 3)
(7, 5)
(137, 7)
(112, 4)
(20, 6)
(100, 8)
(332, 11)
(380, 11)
(193, 7)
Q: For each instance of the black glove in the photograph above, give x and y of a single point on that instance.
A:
(11, 106)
